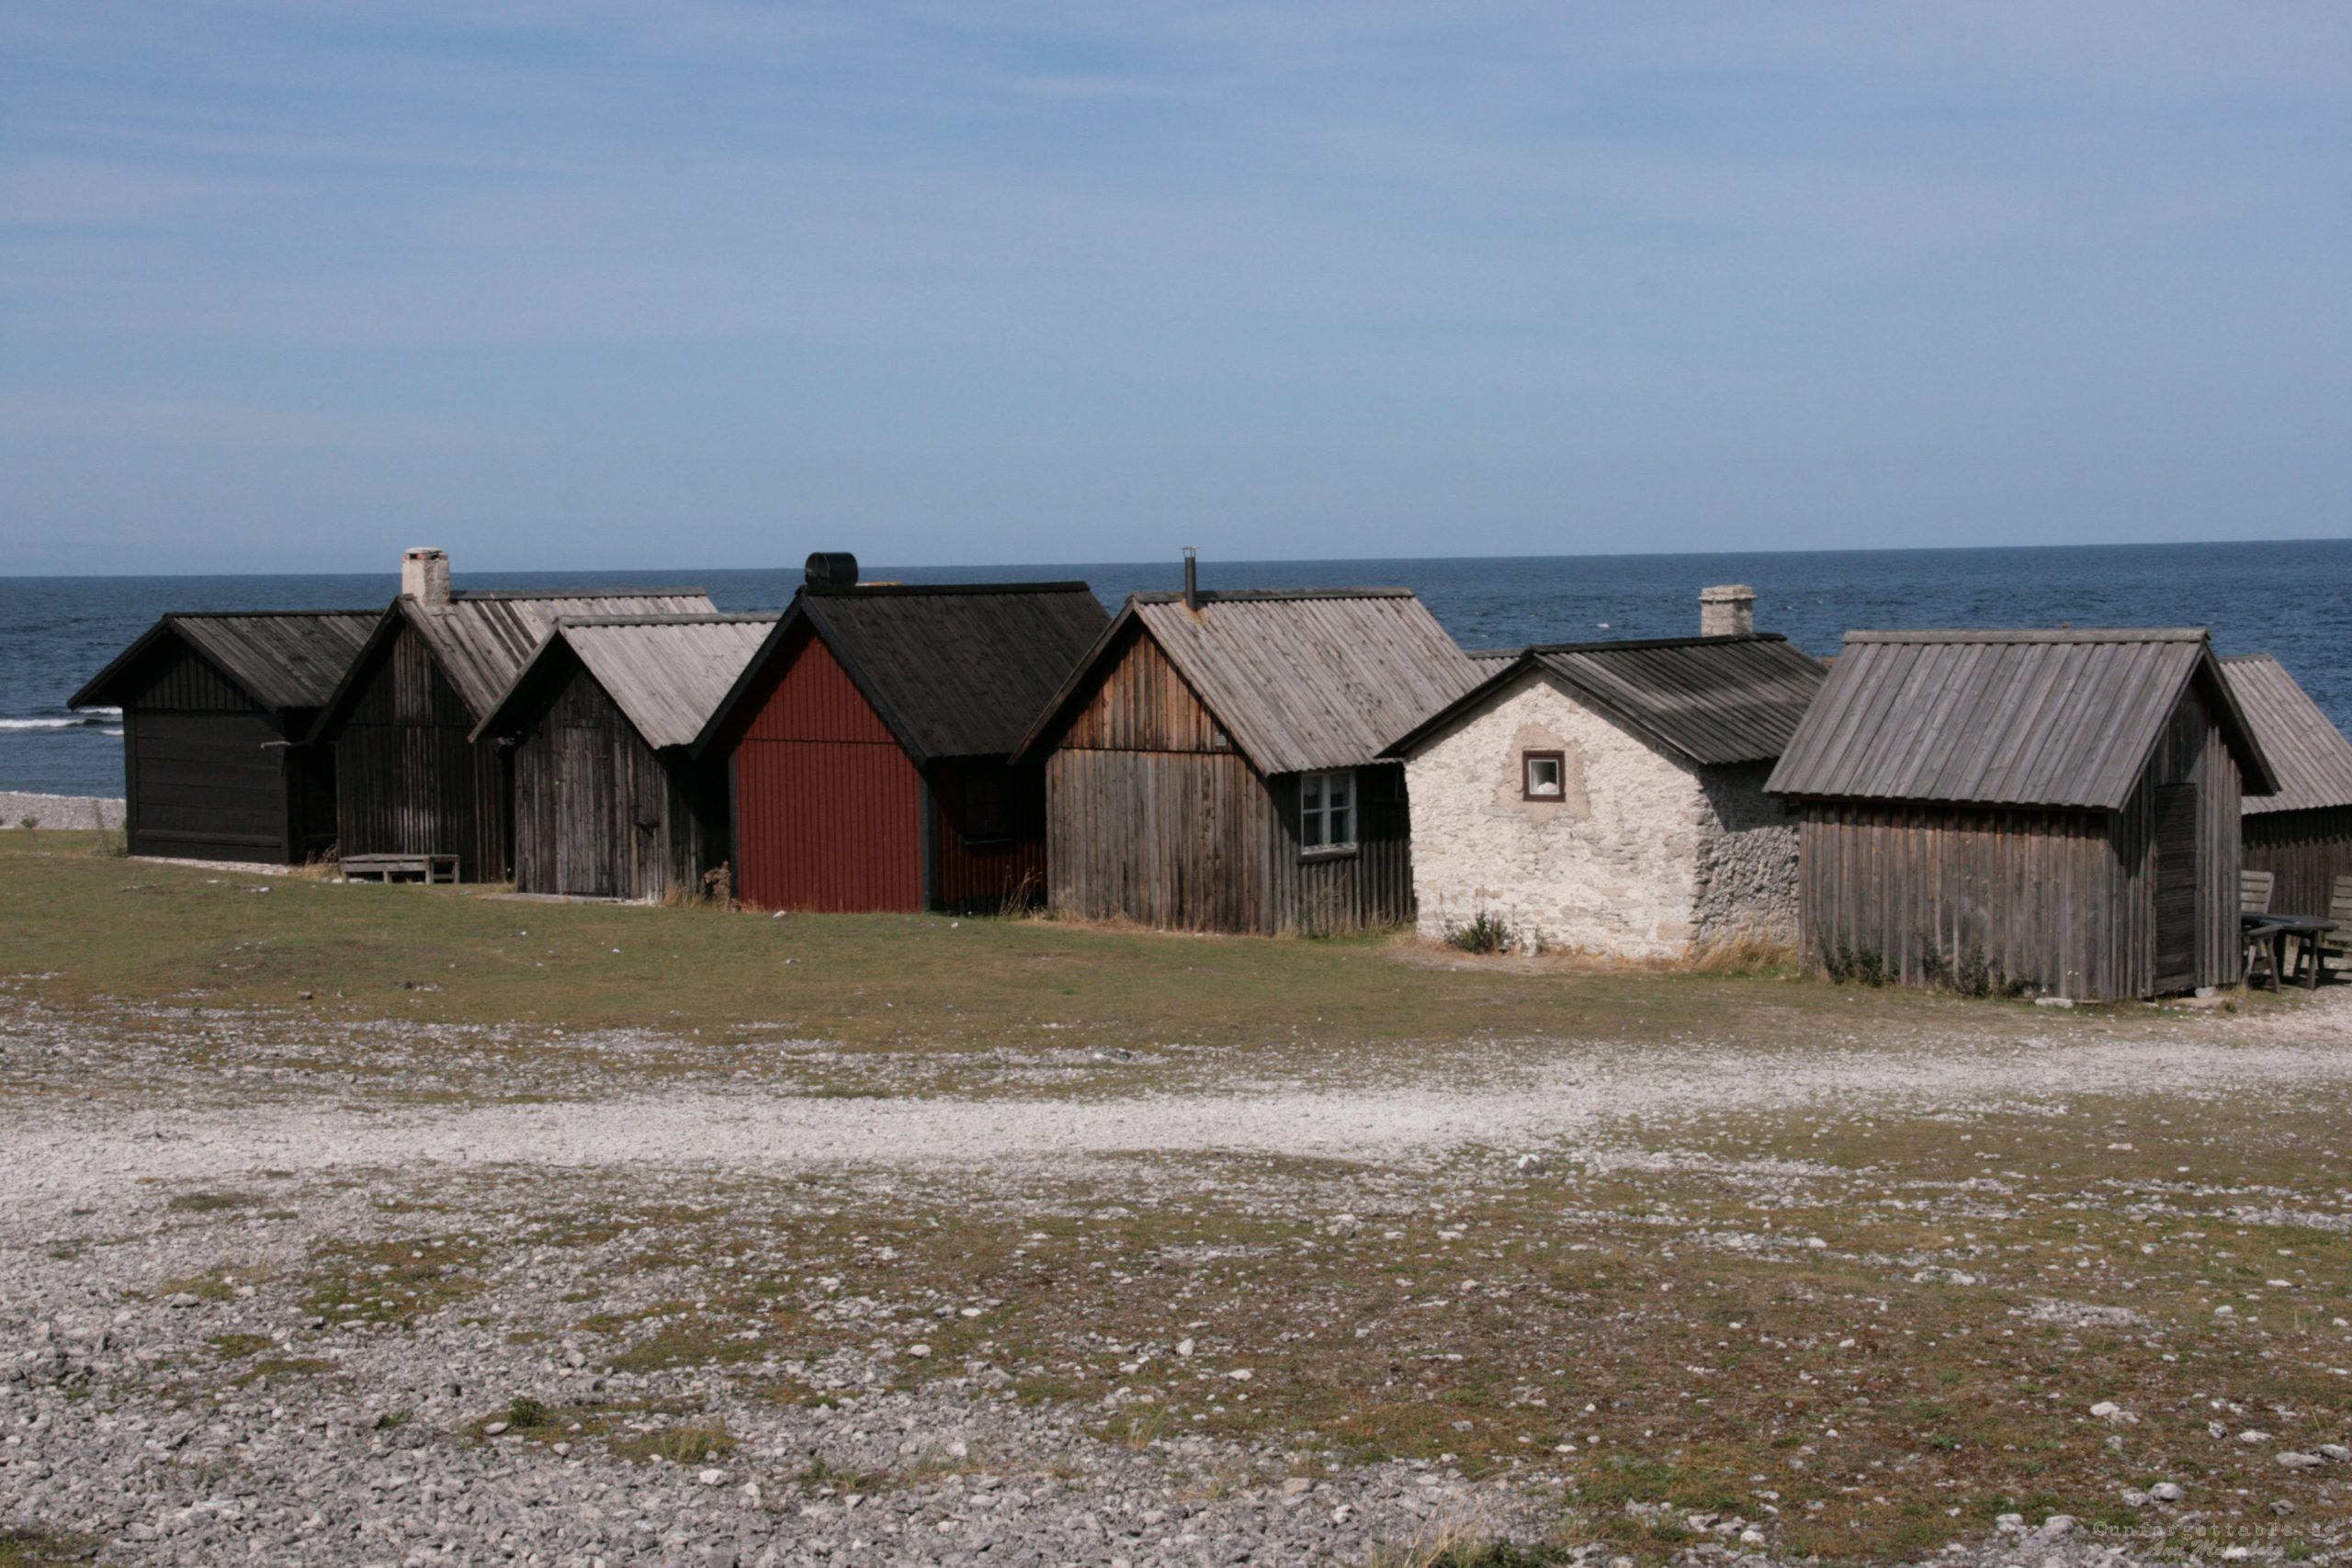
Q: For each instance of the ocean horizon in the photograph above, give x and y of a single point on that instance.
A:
(2290, 598)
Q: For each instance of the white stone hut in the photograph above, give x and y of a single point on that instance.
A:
(1609, 797)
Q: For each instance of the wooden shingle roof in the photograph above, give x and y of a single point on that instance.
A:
(2061, 718)
(666, 673)
(1709, 701)
(288, 660)
(2311, 756)
(953, 671)
(480, 640)
(1300, 679)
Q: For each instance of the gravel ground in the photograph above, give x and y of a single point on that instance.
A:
(367, 1442)
(60, 810)
(63, 1157)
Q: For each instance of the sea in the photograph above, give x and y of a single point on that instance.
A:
(2292, 598)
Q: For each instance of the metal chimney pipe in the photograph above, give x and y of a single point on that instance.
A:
(1192, 578)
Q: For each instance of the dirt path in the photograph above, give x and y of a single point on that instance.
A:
(61, 1154)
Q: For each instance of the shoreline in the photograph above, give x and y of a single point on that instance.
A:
(60, 810)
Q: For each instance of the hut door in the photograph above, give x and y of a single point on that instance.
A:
(2176, 886)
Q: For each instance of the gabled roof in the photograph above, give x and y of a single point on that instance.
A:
(2060, 718)
(284, 659)
(2310, 755)
(955, 670)
(1300, 679)
(666, 673)
(1708, 701)
(481, 638)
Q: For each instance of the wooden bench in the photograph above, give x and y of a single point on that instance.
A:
(388, 868)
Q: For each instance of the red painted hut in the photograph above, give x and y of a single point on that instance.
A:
(867, 743)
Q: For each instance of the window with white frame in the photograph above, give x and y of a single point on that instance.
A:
(1326, 809)
(1542, 774)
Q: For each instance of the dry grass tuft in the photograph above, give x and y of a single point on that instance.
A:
(1742, 956)
(324, 867)
(1458, 1545)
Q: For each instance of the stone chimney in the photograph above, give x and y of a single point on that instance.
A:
(424, 577)
(1727, 609)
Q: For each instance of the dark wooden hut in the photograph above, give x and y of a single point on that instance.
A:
(2063, 804)
(1215, 764)
(609, 801)
(868, 742)
(408, 779)
(2303, 833)
(215, 709)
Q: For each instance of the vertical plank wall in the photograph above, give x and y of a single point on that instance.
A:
(2034, 890)
(598, 813)
(1148, 817)
(828, 805)
(2306, 850)
(407, 780)
(202, 776)
(1359, 889)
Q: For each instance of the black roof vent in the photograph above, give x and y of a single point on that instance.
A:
(831, 571)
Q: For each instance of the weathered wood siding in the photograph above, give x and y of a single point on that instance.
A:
(207, 774)
(1142, 704)
(598, 813)
(2063, 900)
(2034, 891)
(407, 780)
(1175, 840)
(1152, 817)
(2194, 756)
(828, 808)
(1360, 888)
(2307, 850)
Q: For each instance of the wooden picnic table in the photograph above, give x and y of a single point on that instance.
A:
(2304, 931)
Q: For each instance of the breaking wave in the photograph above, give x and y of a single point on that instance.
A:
(85, 719)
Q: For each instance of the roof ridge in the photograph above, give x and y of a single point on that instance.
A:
(251, 615)
(1264, 596)
(2035, 634)
(684, 618)
(487, 593)
(1630, 643)
(941, 589)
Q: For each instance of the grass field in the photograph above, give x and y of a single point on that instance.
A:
(82, 930)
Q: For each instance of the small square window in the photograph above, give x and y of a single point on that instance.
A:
(988, 805)
(1542, 775)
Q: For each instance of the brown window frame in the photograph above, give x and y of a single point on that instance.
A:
(1559, 760)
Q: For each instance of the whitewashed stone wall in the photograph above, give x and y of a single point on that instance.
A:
(1640, 858)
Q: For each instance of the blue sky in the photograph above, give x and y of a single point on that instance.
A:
(589, 284)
